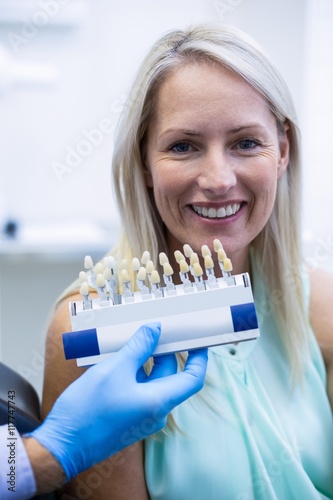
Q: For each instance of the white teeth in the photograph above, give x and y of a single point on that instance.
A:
(213, 213)
(221, 212)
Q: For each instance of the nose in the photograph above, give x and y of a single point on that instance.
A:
(217, 172)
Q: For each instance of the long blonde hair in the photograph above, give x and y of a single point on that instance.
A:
(278, 244)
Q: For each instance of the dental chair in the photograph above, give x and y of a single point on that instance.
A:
(27, 408)
(27, 405)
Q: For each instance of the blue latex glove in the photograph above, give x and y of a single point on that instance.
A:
(114, 403)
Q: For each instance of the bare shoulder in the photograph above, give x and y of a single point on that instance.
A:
(59, 372)
(321, 310)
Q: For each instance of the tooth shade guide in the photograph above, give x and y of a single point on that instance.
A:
(138, 278)
(194, 259)
(205, 251)
(109, 262)
(226, 271)
(227, 265)
(142, 273)
(83, 277)
(100, 281)
(184, 267)
(107, 274)
(179, 256)
(155, 277)
(84, 291)
(198, 273)
(101, 289)
(135, 264)
(217, 245)
(163, 258)
(184, 276)
(208, 261)
(221, 255)
(145, 257)
(167, 269)
(226, 310)
(167, 275)
(197, 269)
(125, 276)
(187, 250)
(155, 283)
(99, 268)
(141, 282)
(88, 262)
(229, 317)
(84, 288)
(150, 268)
(209, 267)
(127, 291)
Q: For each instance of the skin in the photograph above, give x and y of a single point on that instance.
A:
(321, 318)
(212, 142)
(49, 475)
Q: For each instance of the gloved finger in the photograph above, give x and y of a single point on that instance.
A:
(141, 345)
(176, 388)
(197, 360)
(141, 375)
(164, 366)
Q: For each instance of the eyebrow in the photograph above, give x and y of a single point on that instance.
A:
(195, 133)
(182, 130)
(246, 126)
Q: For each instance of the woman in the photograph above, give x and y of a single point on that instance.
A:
(208, 148)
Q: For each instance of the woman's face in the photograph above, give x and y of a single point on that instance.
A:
(213, 157)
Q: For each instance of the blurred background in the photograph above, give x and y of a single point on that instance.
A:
(65, 66)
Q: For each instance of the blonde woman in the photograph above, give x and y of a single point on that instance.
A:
(208, 148)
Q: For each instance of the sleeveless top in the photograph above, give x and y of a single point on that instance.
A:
(248, 434)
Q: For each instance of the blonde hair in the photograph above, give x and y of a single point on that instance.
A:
(278, 244)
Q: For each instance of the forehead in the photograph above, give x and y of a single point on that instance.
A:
(203, 90)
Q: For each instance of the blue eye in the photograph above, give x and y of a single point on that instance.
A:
(247, 144)
(181, 147)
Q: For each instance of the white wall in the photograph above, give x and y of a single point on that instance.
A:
(85, 55)
(317, 135)
(92, 64)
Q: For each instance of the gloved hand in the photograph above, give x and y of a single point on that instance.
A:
(114, 403)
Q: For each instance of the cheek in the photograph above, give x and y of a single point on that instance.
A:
(263, 186)
(265, 180)
(264, 199)
(167, 182)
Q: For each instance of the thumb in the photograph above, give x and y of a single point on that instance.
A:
(142, 344)
(178, 387)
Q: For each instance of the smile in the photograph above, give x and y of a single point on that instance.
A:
(220, 213)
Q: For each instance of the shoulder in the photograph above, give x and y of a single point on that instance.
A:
(321, 310)
(58, 372)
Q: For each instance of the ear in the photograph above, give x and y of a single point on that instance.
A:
(146, 170)
(284, 151)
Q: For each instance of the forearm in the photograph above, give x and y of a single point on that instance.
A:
(49, 474)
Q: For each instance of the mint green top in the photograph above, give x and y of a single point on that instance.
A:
(247, 435)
